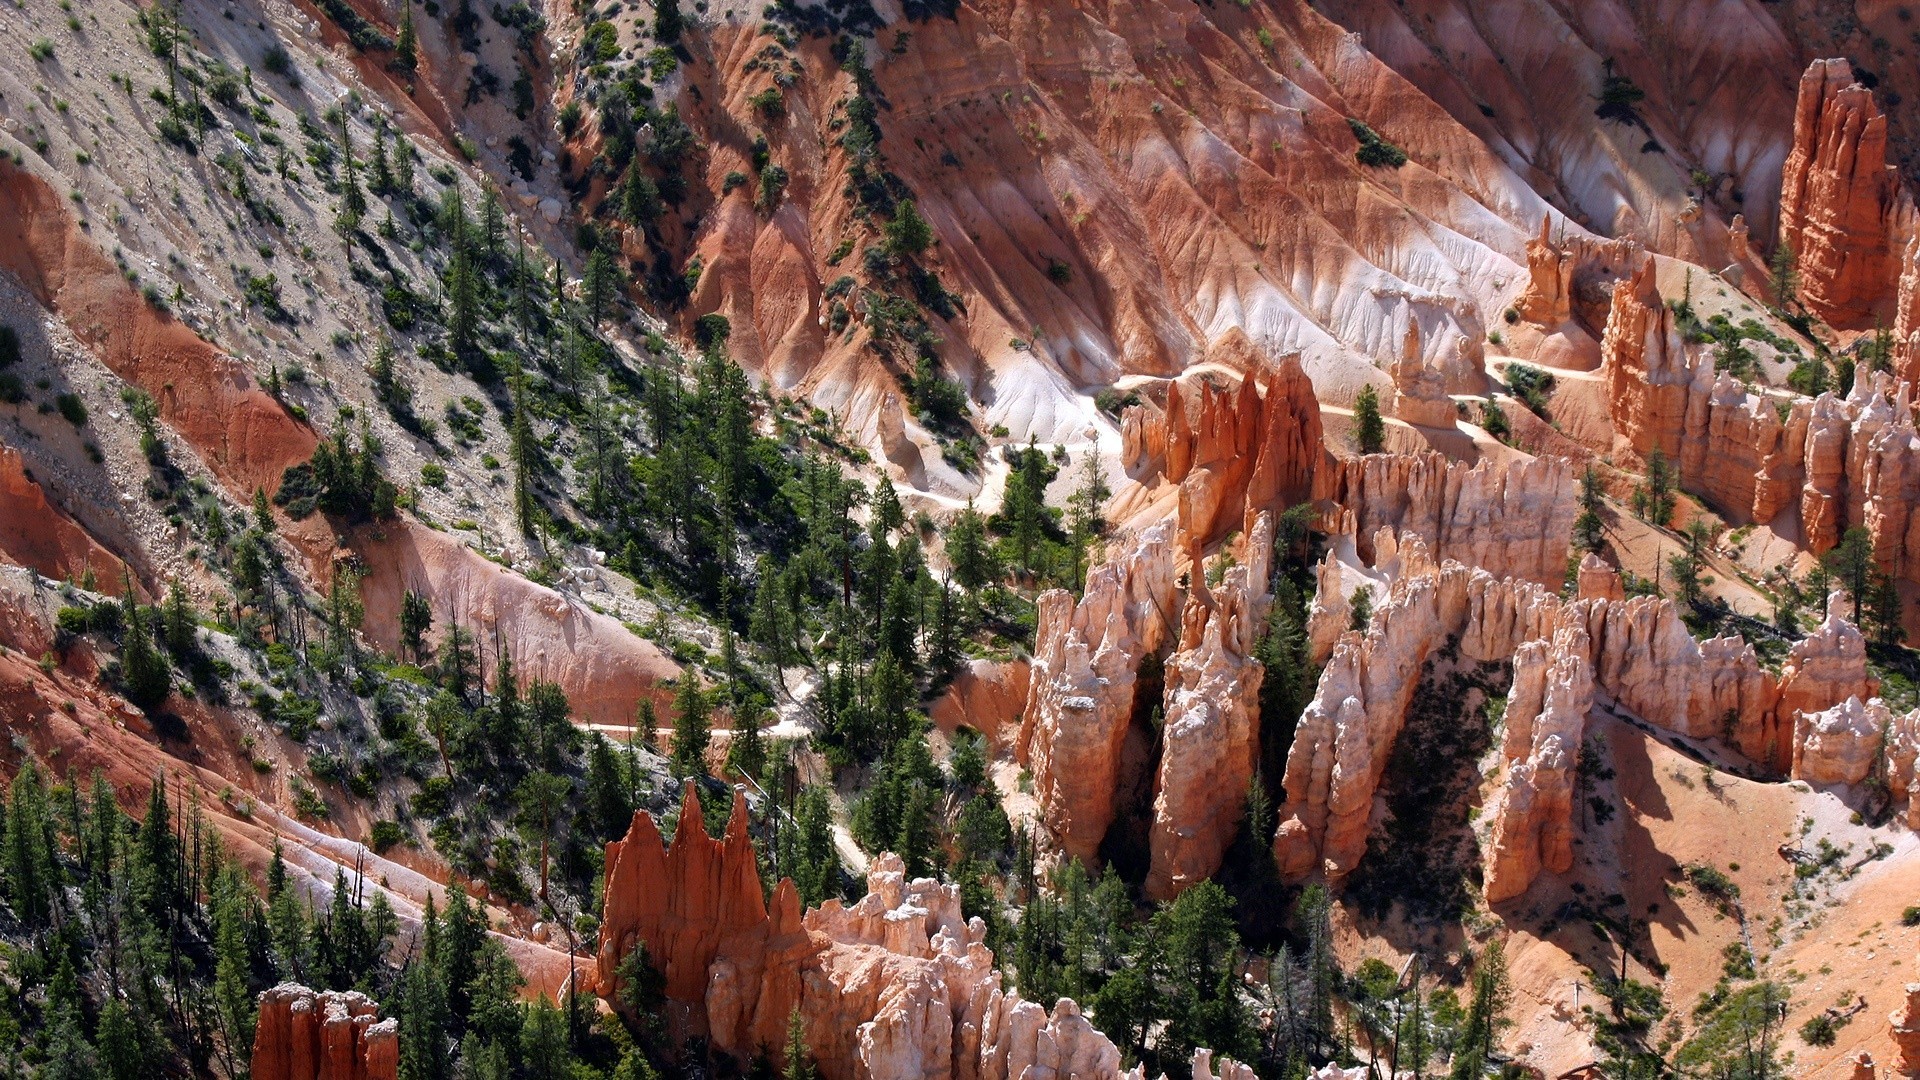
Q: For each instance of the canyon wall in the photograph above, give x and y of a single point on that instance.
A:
(1812, 467)
(1636, 653)
(323, 1035)
(1211, 739)
(1512, 518)
(1841, 205)
(899, 985)
(1080, 697)
(1546, 721)
(1251, 447)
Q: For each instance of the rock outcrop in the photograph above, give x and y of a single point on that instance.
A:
(1839, 200)
(897, 986)
(1233, 451)
(323, 1035)
(1548, 299)
(1598, 581)
(1833, 462)
(1545, 724)
(1080, 696)
(1514, 518)
(1839, 745)
(1642, 656)
(731, 962)
(1211, 739)
(1903, 765)
(1904, 1026)
(1827, 666)
(1419, 391)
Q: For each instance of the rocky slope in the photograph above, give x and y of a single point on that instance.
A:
(1172, 242)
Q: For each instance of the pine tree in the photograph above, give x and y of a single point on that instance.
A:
(1369, 429)
(1486, 1015)
(969, 551)
(406, 44)
(691, 729)
(31, 869)
(667, 21)
(1784, 275)
(1589, 529)
(799, 1060)
(1654, 500)
(144, 673)
(907, 233)
(603, 284)
(747, 751)
(520, 448)
(639, 198)
(1851, 561)
(815, 861)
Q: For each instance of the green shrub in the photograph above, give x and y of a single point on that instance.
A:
(72, 408)
(1375, 151)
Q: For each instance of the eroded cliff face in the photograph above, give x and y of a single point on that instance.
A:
(1080, 699)
(1211, 737)
(1636, 654)
(323, 1035)
(1232, 450)
(897, 986)
(1513, 518)
(1842, 208)
(1546, 722)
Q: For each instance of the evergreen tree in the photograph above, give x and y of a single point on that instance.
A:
(747, 751)
(31, 869)
(1851, 562)
(691, 729)
(799, 1060)
(667, 21)
(1369, 429)
(1486, 1015)
(406, 43)
(1655, 499)
(603, 284)
(520, 448)
(815, 861)
(968, 550)
(1589, 529)
(144, 674)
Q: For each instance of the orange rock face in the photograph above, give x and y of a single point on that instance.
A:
(1080, 699)
(1212, 732)
(1839, 200)
(323, 1035)
(897, 986)
(1548, 300)
(1545, 723)
(1640, 652)
(36, 534)
(708, 930)
(1256, 446)
(1515, 519)
(1904, 1025)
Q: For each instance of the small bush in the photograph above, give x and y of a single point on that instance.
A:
(1911, 916)
(433, 475)
(1375, 151)
(41, 50)
(72, 408)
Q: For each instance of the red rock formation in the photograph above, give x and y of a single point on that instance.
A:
(1839, 745)
(323, 1035)
(1256, 446)
(36, 534)
(1548, 300)
(1419, 391)
(604, 668)
(1080, 697)
(1824, 669)
(989, 696)
(1545, 724)
(1642, 656)
(1839, 200)
(1514, 519)
(698, 907)
(1904, 1026)
(1903, 765)
(897, 986)
(1212, 734)
(1598, 581)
